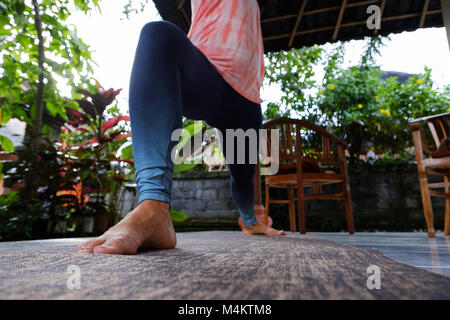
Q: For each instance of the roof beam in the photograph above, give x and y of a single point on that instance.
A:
(350, 24)
(424, 13)
(321, 10)
(339, 20)
(297, 23)
(185, 16)
(180, 4)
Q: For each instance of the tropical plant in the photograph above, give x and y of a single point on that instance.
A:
(293, 71)
(355, 103)
(370, 113)
(38, 48)
(93, 138)
(36, 179)
(184, 162)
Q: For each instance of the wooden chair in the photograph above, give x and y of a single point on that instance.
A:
(302, 166)
(436, 163)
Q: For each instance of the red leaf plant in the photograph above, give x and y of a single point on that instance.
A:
(94, 137)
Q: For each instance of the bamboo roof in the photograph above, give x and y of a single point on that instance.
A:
(297, 23)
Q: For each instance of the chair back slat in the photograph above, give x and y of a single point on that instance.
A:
(300, 140)
(438, 129)
(443, 129)
(289, 137)
(326, 151)
(434, 133)
(298, 145)
(283, 145)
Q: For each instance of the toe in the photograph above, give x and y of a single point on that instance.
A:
(114, 247)
(275, 232)
(107, 248)
(90, 245)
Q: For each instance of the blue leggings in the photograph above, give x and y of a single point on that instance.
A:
(171, 78)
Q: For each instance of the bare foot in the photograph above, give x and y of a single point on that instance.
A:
(261, 228)
(149, 226)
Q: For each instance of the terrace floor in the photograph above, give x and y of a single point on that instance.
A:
(413, 248)
(230, 265)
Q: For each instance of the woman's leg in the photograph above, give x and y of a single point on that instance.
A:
(170, 78)
(244, 119)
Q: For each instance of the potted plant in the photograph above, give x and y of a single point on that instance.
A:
(37, 176)
(93, 137)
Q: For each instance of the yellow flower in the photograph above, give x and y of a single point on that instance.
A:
(385, 111)
(331, 87)
(377, 97)
(420, 81)
(448, 109)
(360, 106)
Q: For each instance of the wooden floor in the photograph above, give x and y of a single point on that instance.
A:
(413, 248)
(218, 265)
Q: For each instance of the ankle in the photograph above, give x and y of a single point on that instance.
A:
(150, 204)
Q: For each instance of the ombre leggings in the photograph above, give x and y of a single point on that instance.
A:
(171, 78)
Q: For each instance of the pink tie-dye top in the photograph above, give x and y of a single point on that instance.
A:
(228, 33)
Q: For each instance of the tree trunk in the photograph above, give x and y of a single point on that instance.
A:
(40, 88)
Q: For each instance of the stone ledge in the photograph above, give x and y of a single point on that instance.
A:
(200, 175)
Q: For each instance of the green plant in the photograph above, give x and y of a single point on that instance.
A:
(36, 178)
(354, 103)
(189, 161)
(37, 47)
(93, 138)
(293, 71)
(369, 113)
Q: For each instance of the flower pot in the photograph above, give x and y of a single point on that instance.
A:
(60, 226)
(40, 227)
(101, 222)
(87, 224)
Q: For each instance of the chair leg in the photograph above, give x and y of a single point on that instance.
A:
(447, 208)
(348, 208)
(426, 202)
(266, 209)
(292, 224)
(301, 208)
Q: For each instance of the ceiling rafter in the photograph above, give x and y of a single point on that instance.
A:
(339, 25)
(352, 24)
(424, 13)
(180, 4)
(339, 20)
(180, 7)
(297, 23)
(322, 10)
